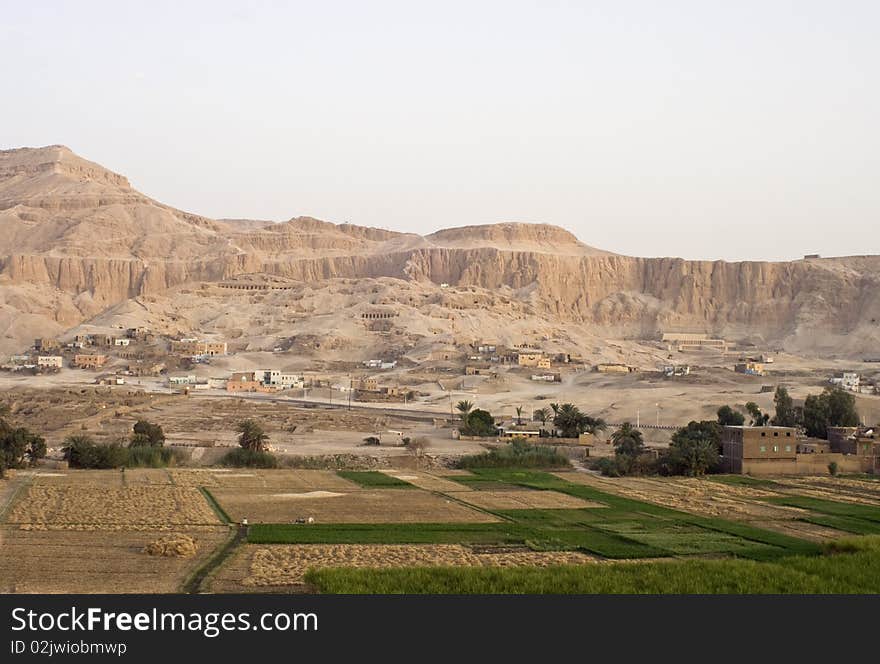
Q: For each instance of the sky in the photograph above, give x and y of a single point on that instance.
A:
(704, 129)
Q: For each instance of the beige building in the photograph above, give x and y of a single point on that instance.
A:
(532, 360)
(51, 361)
(750, 368)
(196, 347)
(46, 345)
(89, 361)
(744, 449)
(613, 368)
(367, 384)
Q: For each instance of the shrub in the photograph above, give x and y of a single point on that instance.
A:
(832, 468)
(153, 457)
(83, 452)
(518, 454)
(147, 433)
(245, 458)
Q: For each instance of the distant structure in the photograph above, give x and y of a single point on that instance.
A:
(685, 341)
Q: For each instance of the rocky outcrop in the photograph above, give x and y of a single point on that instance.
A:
(72, 227)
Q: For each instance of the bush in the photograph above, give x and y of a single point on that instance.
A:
(479, 423)
(518, 454)
(245, 458)
(83, 452)
(832, 468)
(153, 457)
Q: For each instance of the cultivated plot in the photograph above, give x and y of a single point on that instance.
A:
(364, 506)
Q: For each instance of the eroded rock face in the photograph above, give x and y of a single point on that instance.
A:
(77, 239)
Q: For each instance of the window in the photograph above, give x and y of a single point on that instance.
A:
(775, 434)
(763, 434)
(763, 448)
(788, 448)
(788, 434)
(776, 448)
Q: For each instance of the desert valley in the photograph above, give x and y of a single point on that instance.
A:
(361, 354)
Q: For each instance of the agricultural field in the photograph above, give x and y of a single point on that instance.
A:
(493, 530)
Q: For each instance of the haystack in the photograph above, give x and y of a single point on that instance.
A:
(174, 545)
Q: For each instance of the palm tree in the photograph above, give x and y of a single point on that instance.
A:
(555, 408)
(627, 440)
(594, 424)
(569, 419)
(464, 407)
(541, 415)
(518, 415)
(252, 436)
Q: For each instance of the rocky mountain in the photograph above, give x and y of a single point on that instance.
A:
(77, 240)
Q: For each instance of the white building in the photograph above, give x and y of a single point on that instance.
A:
(122, 341)
(182, 380)
(54, 361)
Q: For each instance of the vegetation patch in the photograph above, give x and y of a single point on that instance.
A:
(518, 454)
(371, 479)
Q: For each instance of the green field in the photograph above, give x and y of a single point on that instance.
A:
(623, 528)
(854, 572)
(371, 479)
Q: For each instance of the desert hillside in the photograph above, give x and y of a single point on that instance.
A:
(78, 243)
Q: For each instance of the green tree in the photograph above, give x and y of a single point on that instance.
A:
(83, 452)
(18, 447)
(519, 415)
(541, 415)
(479, 423)
(759, 419)
(147, 433)
(693, 456)
(572, 422)
(703, 430)
(787, 414)
(251, 436)
(627, 441)
(727, 416)
(835, 407)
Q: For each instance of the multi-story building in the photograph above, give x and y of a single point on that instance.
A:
(50, 361)
(758, 449)
(89, 361)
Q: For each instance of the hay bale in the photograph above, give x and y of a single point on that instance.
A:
(175, 545)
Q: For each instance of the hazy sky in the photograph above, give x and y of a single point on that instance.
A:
(704, 129)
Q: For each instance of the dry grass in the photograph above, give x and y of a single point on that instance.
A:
(366, 506)
(96, 562)
(524, 500)
(428, 481)
(245, 478)
(80, 507)
(281, 565)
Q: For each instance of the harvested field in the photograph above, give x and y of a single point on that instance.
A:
(282, 565)
(97, 562)
(82, 507)
(292, 480)
(698, 496)
(519, 500)
(428, 481)
(847, 490)
(364, 506)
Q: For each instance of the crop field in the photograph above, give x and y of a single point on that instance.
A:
(362, 506)
(854, 568)
(273, 566)
(496, 529)
(80, 507)
(290, 480)
(101, 561)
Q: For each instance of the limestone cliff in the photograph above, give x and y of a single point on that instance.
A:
(76, 239)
